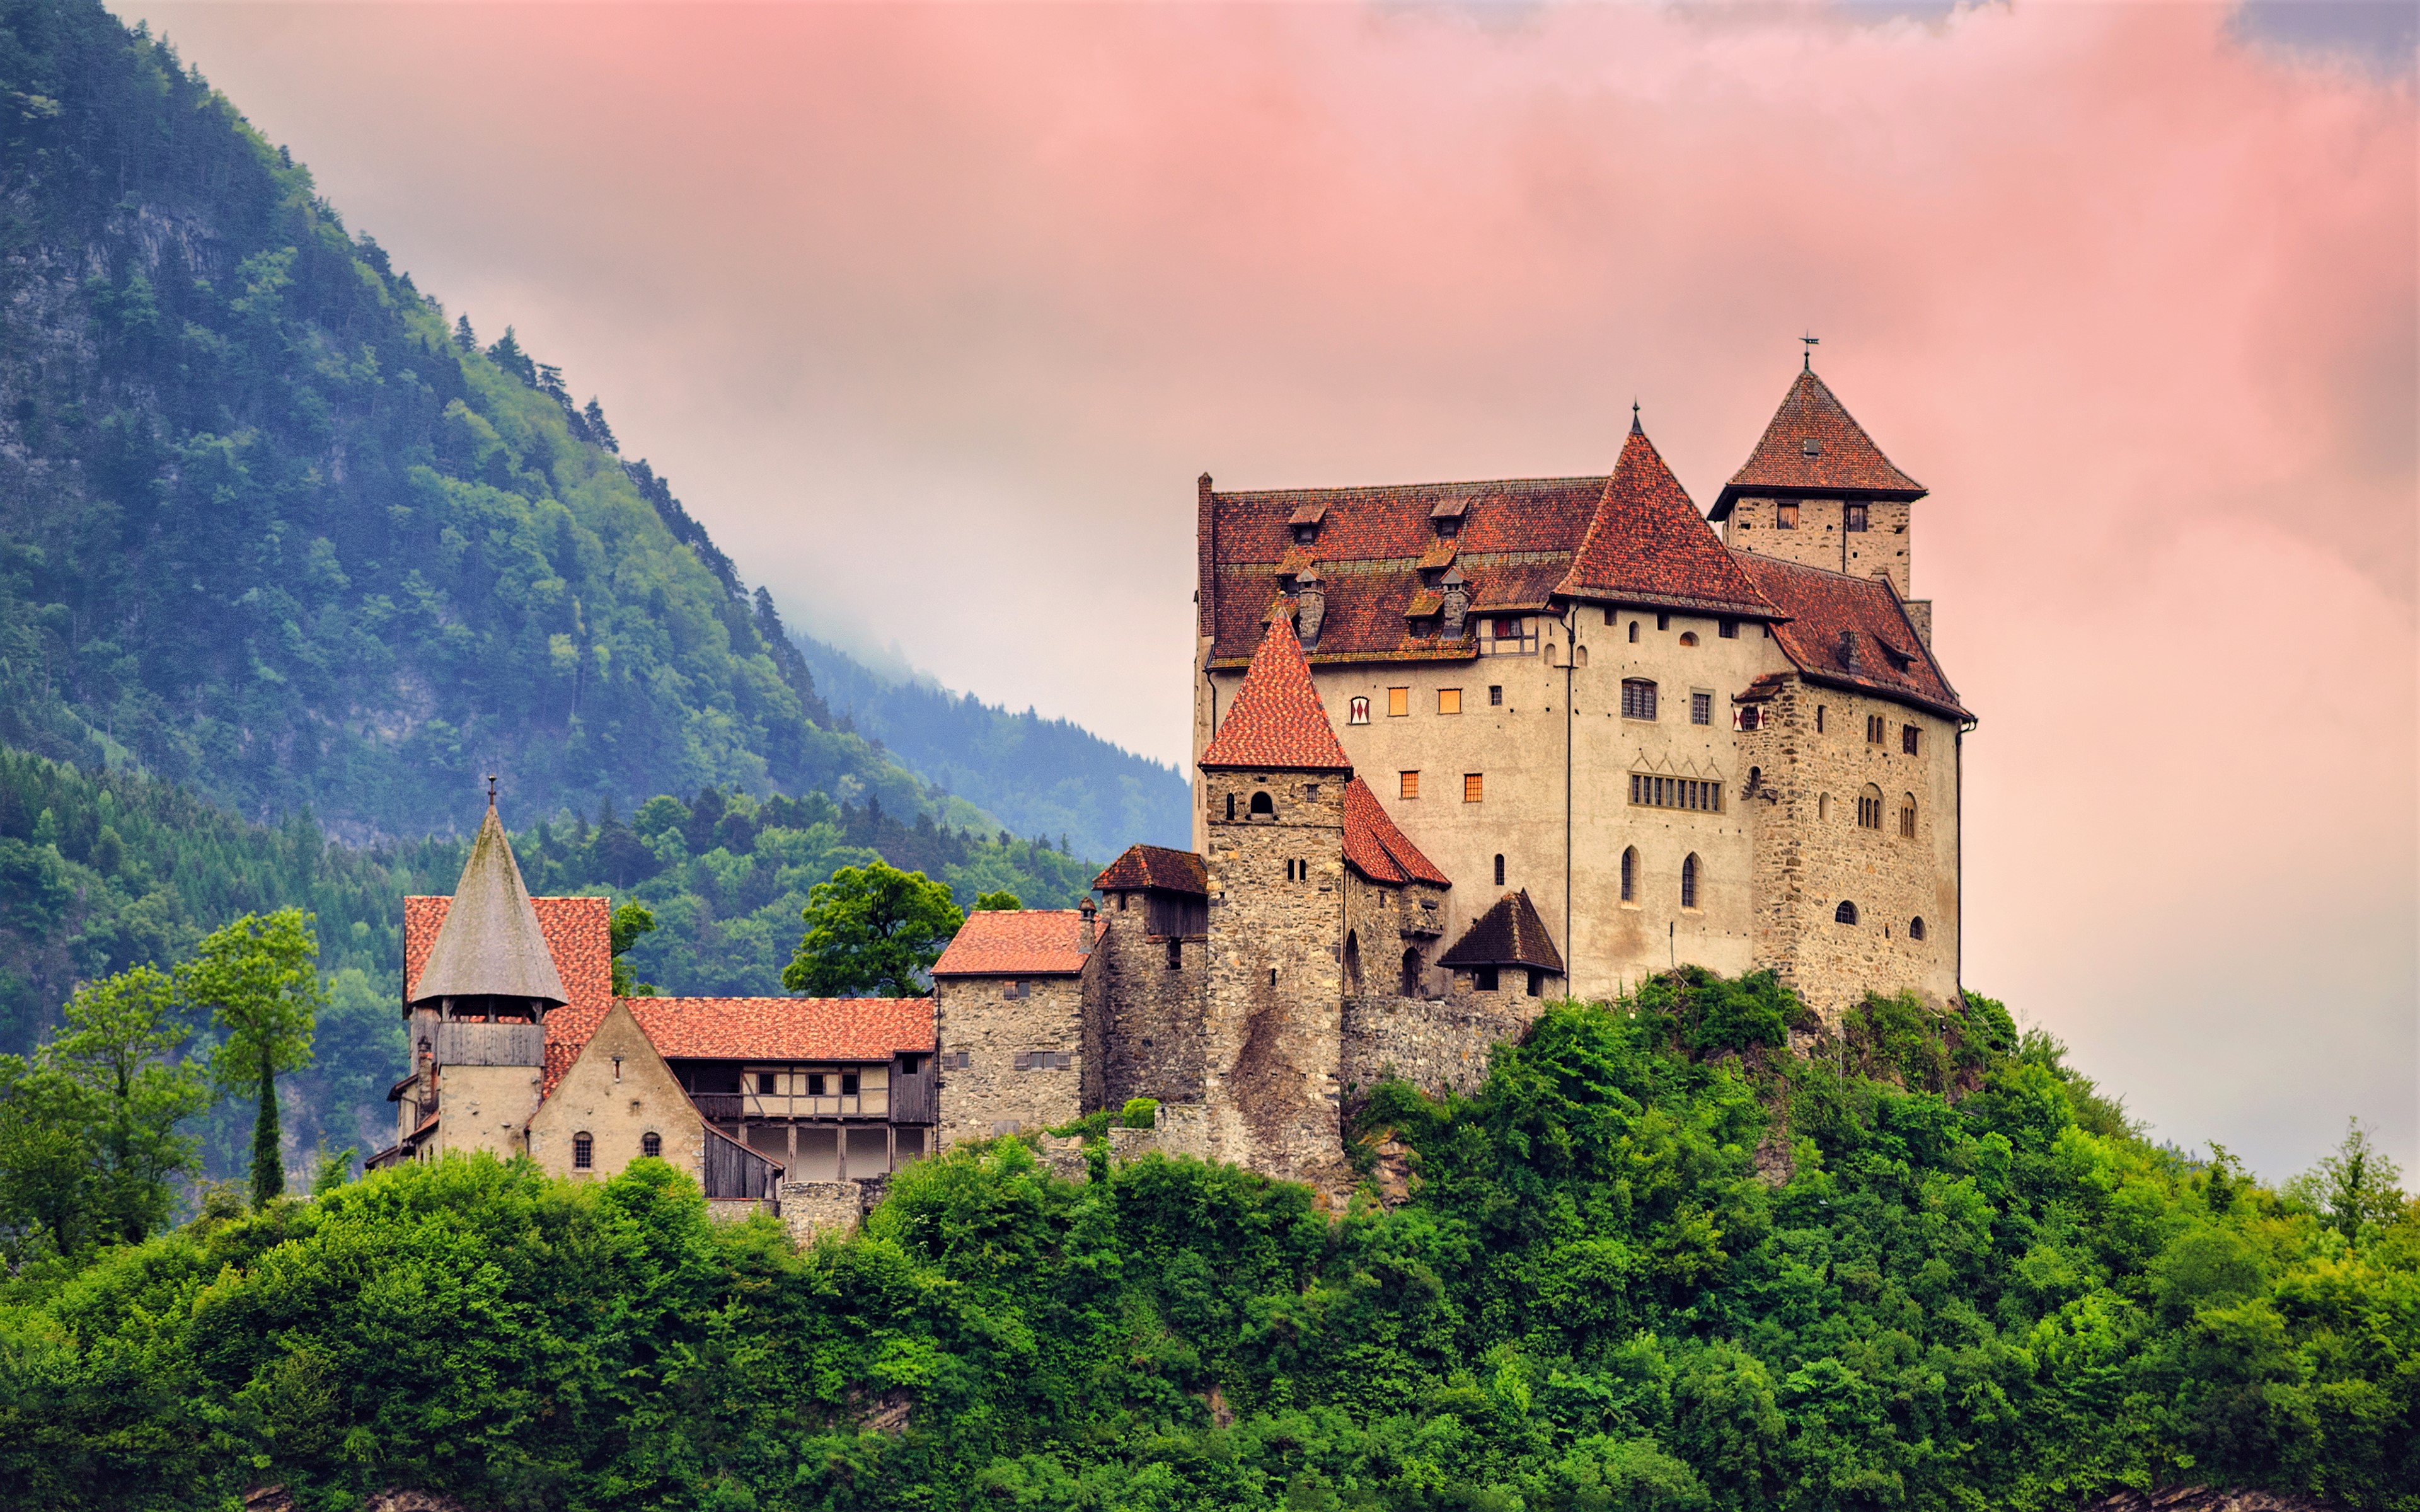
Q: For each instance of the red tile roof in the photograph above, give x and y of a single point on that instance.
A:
(1154, 866)
(1030, 941)
(1852, 632)
(1515, 542)
(1276, 721)
(579, 937)
(784, 1028)
(1845, 459)
(1649, 545)
(1376, 849)
(1511, 934)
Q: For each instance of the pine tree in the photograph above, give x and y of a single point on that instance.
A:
(462, 334)
(599, 432)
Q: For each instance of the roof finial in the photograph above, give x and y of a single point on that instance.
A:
(491, 790)
(1633, 418)
(1807, 358)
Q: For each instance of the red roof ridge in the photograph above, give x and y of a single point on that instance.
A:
(1276, 720)
(1845, 459)
(1824, 602)
(1647, 544)
(1376, 848)
(1258, 494)
(1017, 942)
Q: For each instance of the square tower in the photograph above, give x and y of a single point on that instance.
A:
(1819, 492)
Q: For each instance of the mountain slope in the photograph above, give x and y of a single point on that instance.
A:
(269, 526)
(1041, 777)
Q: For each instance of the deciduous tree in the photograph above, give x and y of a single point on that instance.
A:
(259, 978)
(871, 928)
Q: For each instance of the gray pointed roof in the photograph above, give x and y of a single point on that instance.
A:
(490, 943)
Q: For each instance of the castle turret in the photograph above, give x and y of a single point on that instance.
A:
(477, 1010)
(1819, 492)
(1274, 779)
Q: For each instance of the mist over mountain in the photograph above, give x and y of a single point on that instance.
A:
(1041, 777)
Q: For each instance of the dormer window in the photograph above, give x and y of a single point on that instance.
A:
(1446, 516)
(1448, 529)
(1304, 522)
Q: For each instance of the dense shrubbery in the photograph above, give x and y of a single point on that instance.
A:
(1959, 1281)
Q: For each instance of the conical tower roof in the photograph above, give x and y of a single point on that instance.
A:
(491, 944)
(1276, 721)
(1649, 545)
(1813, 445)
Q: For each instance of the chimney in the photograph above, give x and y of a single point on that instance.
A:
(1311, 606)
(1457, 605)
(1849, 653)
(1090, 928)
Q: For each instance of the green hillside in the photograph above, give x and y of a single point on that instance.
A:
(273, 526)
(1660, 1261)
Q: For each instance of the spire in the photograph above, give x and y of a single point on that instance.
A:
(1634, 428)
(491, 945)
(1649, 545)
(1276, 720)
(1812, 445)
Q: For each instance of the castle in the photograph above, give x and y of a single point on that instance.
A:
(1460, 749)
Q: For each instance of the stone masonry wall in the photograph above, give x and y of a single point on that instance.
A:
(1435, 1045)
(618, 1092)
(1812, 854)
(1147, 1035)
(1887, 545)
(989, 1095)
(1272, 1029)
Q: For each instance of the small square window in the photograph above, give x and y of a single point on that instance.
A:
(1702, 708)
(848, 1083)
(1853, 516)
(1407, 784)
(1910, 740)
(1729, 631)
(1449, 701)
(1785, 516)
(766, 1082)
(815, 1082)
(1473, 787)
(1496, 696)
(1399, 702)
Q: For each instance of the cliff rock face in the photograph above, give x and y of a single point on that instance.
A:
(2204, 1499)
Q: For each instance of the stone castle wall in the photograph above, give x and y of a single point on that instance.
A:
(1144, 1028)
(1272, 1025)
(989, 1095)
(1436, 1045)
(1812, 854)
(1819, 540)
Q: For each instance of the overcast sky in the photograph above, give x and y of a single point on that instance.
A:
(933, 316)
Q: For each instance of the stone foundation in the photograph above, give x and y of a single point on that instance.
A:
(812, 1207)
(1433, 1045)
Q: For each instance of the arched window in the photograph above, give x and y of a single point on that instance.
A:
(1500, 868)
(1916, 929)
(1358, 712)
(1869, 808)
(1907, 816)
(1262, 807)
(1411, 973)
(1845, 914)
(1630, 876)
(1634, 632)
(1689, 882)
(1637, 699)
(1688, 638)
(584, 1152)
(652, 1145)
(1755, 779)
(1823, 806)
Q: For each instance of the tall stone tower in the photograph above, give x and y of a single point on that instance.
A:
(1819, 492)
(1273, 780)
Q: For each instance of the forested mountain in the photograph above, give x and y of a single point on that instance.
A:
(271, 525)
(1040, 777)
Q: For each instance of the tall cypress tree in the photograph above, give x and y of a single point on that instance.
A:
(267, 1154)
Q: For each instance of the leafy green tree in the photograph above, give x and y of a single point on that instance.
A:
(259, 978)
(628, 923)
(89, 1140)
(116, 1055)
(1003, 902)
(871, 928)
(2356, 1187)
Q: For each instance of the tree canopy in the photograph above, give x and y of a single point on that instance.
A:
(871, 929)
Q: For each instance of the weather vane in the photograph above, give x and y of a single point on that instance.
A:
(491, 790)
(1812, 341)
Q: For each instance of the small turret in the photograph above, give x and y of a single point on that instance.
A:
(490, 959)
